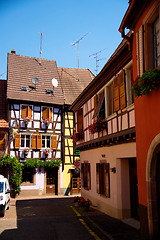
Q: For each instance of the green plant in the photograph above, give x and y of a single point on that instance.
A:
(15, 171)
(36, 163)
(146, 83)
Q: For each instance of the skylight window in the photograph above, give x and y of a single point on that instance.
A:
(24, 89)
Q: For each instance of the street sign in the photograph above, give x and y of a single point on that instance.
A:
(77, 170)
(77, 163)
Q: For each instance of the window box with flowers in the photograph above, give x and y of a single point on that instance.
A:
(26, 120)
(146, 83)
(46, 152)
(97, 126)
(47, 121)
(78, 136)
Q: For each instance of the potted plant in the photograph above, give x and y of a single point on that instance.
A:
(26, 120)
(76, 200)
(146, 83)
(26, 151)
(46, 151)
(97, 126)
(78, 136)
(47, 121)
(87, 205)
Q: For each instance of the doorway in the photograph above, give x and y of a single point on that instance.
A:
(133, 188)
(75, 183)
(52, 181)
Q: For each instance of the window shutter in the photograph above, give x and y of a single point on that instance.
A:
(95, 102)
(82, 174)
(29, 111)
(24, 111)
(107, 180)
(45, 113)
(122, 90)
(110, 91)
(17, 140)
(97, 177)
(80, 119)
(89, 175)
(148, 46)
(34, 141)
(50, 113)
(54, 142)
(39, 141)
(99, 104)
(116, 94)
(139, 50)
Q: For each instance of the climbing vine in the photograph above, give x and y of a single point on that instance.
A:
(15, 168)
(15, 171)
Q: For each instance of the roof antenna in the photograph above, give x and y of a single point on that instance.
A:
(41, 45)
(77, 42)
(96, 55)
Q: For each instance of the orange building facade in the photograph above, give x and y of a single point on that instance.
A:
(146, 55)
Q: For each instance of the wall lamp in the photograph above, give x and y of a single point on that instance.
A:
(113, 170)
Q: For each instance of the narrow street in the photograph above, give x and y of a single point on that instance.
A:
(46, 218)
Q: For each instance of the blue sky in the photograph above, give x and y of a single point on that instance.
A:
(63, 22)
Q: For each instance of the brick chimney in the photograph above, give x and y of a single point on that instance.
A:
(13, 51)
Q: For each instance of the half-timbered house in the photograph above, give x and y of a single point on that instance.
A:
(105, 113)
(42, 124)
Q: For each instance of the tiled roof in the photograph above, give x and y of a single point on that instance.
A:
(74, 81)
(3, 104)
(22, 69)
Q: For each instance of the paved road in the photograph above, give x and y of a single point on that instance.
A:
(36, 219)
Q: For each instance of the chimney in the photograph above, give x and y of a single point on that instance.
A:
(13, 51)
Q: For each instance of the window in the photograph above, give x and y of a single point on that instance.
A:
(86, 176)
(156, 43)
(25, 140)
(147, 42)
(28, 176)
(103, 179)
(46, 142)
(46, 113)
(26, 111)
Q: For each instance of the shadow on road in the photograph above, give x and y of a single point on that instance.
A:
(47, 219)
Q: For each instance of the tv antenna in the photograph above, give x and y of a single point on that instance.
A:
(77, 43)
(41, 44)
(96, 56)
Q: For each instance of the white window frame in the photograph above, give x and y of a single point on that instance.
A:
(25, 140)
(45, 136)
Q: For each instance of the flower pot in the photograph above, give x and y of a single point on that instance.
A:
(76, 204)
(86, 208)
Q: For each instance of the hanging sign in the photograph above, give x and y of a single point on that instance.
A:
(77, 170)
(77, 163)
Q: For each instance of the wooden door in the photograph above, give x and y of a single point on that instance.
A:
(52, 181)
(75, 185)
